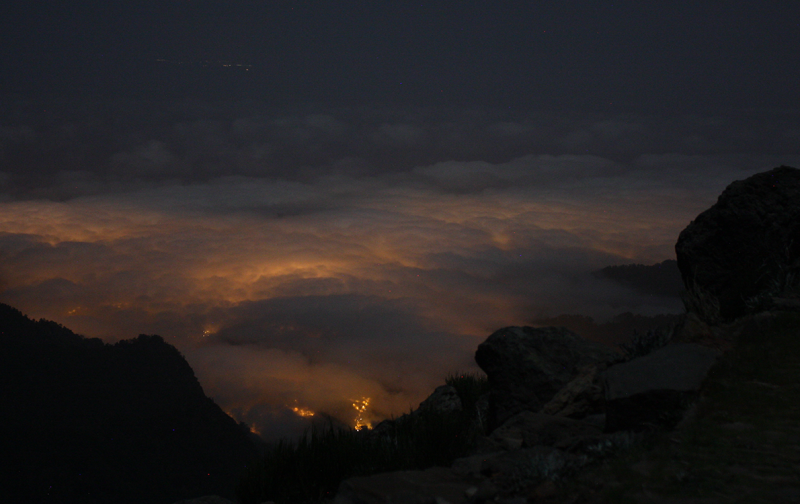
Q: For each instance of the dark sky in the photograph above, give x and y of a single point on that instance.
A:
(627, 56)
(322, 201)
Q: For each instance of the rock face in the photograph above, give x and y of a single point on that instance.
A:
(745, 249)
(98, 423)
(528, 450)
(526, 367)
(653, 390)
(558, 402)
(582, 396)
(528, 429)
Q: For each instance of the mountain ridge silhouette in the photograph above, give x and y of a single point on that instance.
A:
(98, 423)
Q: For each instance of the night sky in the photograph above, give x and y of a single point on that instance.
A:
(322, 201)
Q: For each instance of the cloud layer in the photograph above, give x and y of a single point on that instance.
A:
(309, 260)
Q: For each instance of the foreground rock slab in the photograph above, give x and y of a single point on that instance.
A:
(437, 485)
(527, 366)
(528, 429)
(207, 499)
(655, 389)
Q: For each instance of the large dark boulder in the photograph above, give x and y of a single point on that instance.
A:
(527, 366)
(745, 250)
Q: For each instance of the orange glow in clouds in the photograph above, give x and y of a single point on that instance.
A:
(180, 260)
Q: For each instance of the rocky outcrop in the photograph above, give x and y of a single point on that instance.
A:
(558, 402)
(527, 366)
(743, 252)
(528, 450)
(522, 457)
(533, 456)
(655, 389)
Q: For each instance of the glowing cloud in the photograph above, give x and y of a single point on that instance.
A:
(344, 279)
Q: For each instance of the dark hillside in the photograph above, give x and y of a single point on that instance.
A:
(94, 423)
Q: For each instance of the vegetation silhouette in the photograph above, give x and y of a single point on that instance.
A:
(311, 469)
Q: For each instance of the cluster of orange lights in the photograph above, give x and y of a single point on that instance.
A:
(360, 406)
(303, 412)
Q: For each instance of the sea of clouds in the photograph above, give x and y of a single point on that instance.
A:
(311, 258)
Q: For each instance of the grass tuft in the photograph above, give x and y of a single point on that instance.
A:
(698, 300)
(469, 387)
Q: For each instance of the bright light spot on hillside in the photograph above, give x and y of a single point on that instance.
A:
(360, 406)
(303, 412)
